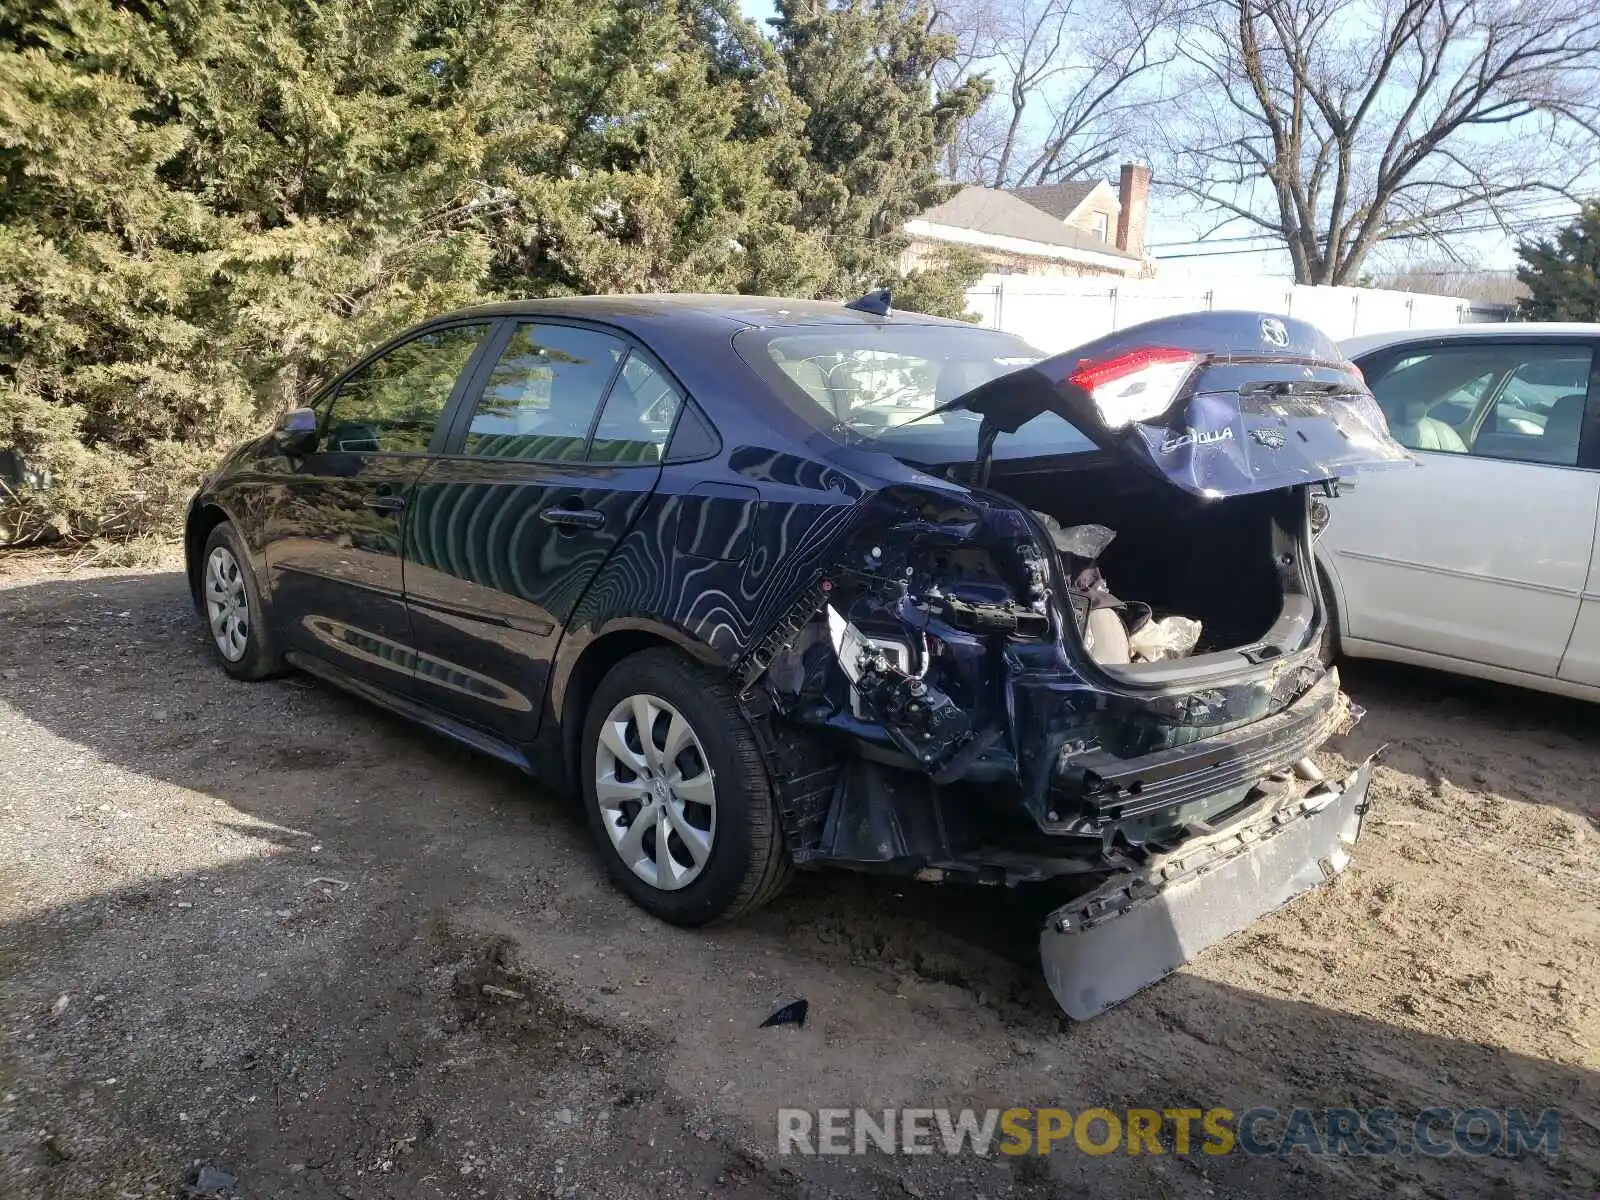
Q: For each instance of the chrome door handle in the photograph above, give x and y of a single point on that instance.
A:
(573, 518)
(385, 503)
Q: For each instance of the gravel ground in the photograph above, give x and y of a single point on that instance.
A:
(268, 929)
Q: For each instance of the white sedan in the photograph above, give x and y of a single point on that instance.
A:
(1482, 560)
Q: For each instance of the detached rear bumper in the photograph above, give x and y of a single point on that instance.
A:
(1140, 926)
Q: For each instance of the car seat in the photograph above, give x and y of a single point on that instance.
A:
(1416, 430)
(959, 377)
(811, 378)
(1564, 425)
(1556, 443)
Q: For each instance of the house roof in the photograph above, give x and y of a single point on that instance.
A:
(1004, 214)
(1060, 200)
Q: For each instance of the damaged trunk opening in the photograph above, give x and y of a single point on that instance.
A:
(1181, 575)
(960, 651)
(1086, 672)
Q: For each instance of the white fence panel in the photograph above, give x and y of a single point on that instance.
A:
(1057, 314)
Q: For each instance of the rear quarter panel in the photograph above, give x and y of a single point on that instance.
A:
(722, 549)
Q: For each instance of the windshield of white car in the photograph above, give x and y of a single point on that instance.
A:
(880, 385)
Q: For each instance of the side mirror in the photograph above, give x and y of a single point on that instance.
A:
(296, 433)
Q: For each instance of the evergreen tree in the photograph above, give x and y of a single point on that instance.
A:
(671, 128)
(1563, 276)
(208, 205)
(876, 128)
(334, 141)
(108, 375)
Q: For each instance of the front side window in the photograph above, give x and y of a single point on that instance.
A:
(391, 405)
(1491, 400)
(542, 396)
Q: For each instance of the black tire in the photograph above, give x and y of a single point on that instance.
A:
(748, 863)
(260, 658)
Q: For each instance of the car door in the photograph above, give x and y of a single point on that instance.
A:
(1482, 552)
(1581, 662)
(334, 536)
(552, 458)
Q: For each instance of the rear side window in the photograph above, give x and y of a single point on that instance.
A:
(637, 419)
(543, 394)
(1522, 402)
(391, 405)
(884, 384)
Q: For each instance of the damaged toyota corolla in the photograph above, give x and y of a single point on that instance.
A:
(778, 583)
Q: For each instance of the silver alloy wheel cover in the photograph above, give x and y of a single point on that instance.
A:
(227, 605)
(666, 787)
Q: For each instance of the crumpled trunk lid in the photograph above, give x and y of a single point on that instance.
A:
(1218, 404)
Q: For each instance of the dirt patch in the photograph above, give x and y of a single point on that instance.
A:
(333, 957)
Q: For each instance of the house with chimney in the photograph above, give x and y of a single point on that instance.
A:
(1075, 228)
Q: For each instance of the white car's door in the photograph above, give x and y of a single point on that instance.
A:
(1581, 663)
(1482, 552)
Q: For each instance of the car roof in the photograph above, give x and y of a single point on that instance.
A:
(692, 335)
(654, 312)
(1365, 343)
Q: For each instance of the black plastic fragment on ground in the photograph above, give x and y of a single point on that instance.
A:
(789, 1014)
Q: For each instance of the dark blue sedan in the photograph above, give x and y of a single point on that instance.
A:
(779, 583)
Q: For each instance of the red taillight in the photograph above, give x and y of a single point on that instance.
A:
(1096, 374)
(1137, 386)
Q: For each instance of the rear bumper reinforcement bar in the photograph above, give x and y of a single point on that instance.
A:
(1128, 787)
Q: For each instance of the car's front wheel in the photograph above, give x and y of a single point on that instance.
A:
(231, 604)
(677, 793)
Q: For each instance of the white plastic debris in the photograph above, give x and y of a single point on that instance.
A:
(1170, 637)
(1084, 541)
(1105, 637)
(848, 644)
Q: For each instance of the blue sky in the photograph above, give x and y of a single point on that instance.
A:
(1226, 251)
(1172, 231)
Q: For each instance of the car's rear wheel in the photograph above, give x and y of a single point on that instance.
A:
(231, 604)
(677, 793)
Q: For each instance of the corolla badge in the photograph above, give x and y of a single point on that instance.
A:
(1196, 437)
(1274, 332)
(1272, 439)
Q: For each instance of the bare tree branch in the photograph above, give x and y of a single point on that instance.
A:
(1073, 79)
(1339, 124)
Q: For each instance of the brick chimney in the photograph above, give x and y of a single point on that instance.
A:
(1134, 193)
